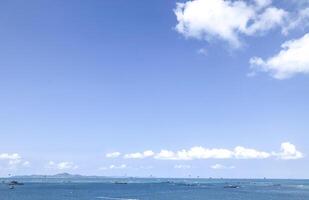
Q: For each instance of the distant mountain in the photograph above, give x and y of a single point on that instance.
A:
(66, 175)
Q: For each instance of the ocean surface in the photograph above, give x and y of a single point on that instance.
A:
(157, 189)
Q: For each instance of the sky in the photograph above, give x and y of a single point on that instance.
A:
(155, 88)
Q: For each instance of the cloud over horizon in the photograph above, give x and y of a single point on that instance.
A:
(112, 155)
(122, 166)
(219, 167)
(288, 151)
(64, 165)
(138, 155)
(14, 160)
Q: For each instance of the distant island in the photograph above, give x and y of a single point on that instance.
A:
(56, 176)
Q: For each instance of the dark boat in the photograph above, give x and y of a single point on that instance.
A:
(121, 183)
(231, 186)
(12, 183)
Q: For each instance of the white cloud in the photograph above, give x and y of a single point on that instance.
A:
(182, 166)
(139, 155)
(113, 155)
(118, 167)
(262, 3)
(198, 152)
(13, 156)
(288, 152)
(270, 18)
(244, 153)
(204, 153)
(219, 166)
(291, 60)
(194, 153)
(65, 165)
(299, 20)
(226, 19)
(123, 166)
(165, 155)
(26, 164)
(14, 160)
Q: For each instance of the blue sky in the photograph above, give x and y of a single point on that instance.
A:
(82, 79)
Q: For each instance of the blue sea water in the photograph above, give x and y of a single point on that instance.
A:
(156, 189)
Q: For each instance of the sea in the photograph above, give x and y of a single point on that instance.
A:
(155, 189)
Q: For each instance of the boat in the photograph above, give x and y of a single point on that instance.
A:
(121, 183)
(12, 183)
(231, 186)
